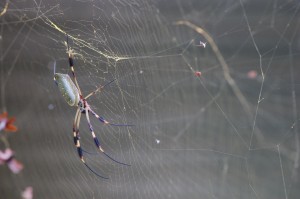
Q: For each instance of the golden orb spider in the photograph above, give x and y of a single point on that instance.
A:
(73, 96)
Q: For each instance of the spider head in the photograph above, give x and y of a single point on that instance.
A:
(82, 104)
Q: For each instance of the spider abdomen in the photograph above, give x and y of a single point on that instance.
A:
(67, 88)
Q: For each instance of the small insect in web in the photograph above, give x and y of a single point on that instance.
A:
(197, 73)
(73, 96)
(201, 44)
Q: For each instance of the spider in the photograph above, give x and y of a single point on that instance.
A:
(73, 96)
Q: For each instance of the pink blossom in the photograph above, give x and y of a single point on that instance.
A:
(7, 123)
(27, 193)
(15, 166)
(5, 155)
(8, 157)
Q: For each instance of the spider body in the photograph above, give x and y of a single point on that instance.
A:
(67, 88)
(70, 90)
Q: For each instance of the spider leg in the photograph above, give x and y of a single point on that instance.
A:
(71, 64)
(101, 119)
(77, 126)
(54, 71)
(97, 143)
(99, 89)
(77, 143)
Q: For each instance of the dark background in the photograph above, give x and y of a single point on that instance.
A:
(223, 135)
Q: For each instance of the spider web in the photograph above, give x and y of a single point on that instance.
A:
(230, 133)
